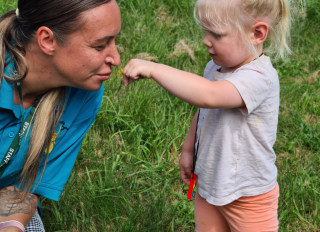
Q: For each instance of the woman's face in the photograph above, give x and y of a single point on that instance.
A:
(86, 58)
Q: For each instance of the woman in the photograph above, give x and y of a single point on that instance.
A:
(55, 55)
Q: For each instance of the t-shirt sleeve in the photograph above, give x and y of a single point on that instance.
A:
(253, 86)
(80, 112)
(211, 67)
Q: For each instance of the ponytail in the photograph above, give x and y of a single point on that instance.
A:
(280, 34)
(49, 110)
(47, 117)
(277, 14)
(9, 48)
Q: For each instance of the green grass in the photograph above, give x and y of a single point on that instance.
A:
(298, 142)
(126, 177)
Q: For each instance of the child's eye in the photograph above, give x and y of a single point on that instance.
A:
(217, 36)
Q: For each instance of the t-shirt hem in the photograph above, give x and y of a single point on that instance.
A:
(248, 192)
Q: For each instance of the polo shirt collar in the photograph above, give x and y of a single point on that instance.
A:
(7, 93)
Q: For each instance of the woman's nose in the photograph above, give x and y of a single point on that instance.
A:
(113, 57)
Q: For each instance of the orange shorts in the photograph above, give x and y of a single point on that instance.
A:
(249, 214)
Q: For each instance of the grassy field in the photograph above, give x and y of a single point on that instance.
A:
(126, 177)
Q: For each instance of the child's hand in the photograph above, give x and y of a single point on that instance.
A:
(137, 69)
(186, 163)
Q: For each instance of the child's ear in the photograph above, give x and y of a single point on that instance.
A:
(46, 40)
(259, 32)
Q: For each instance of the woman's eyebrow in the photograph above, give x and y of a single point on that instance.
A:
(107, 38)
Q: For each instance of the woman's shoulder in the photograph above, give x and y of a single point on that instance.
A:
(79, 95)
(83, 100)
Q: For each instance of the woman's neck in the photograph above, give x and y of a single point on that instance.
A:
(27, 99)
(37, 80)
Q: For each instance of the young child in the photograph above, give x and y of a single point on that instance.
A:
(236, 125)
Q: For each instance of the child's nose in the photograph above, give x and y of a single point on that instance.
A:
(206, 41)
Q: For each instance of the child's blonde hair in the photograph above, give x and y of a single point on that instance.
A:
(241, 14)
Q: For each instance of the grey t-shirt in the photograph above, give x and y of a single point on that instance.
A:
(235, 152)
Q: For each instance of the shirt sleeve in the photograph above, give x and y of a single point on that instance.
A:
(80, 112)
(211, 67)
(253, 86)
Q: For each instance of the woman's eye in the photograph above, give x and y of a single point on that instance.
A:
(99, 48)
(102, 45)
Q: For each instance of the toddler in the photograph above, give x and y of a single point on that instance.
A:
(232, 135)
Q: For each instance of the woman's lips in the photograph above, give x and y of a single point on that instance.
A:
(104, 76)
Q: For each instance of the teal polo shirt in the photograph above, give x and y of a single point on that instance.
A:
(80, 111)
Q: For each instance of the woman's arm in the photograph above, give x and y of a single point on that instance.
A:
(11, 208)
(187, 86)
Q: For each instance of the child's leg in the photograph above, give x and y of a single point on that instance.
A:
(208, 218)
(252, 214)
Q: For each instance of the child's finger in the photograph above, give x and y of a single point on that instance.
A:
(126, 80)
(185, 176)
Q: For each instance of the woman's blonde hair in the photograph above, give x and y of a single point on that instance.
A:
(241, 14)
(17, 30)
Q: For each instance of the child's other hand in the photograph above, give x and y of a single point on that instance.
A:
(137, 69)
(186, 163)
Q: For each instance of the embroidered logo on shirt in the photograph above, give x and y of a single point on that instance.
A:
(61, 127)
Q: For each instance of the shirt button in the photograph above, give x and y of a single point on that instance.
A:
(11, 134)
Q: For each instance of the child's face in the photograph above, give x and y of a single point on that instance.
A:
(227, 48)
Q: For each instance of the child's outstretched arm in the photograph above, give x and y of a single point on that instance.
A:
(187, 153)
(187, 86)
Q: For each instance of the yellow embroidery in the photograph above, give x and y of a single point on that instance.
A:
(53, 141)
(256, 122)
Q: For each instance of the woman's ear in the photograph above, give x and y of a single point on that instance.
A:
(259, 32)
(46, 40)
